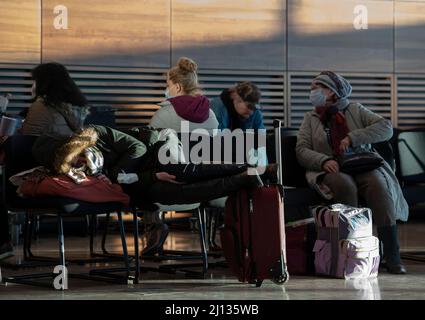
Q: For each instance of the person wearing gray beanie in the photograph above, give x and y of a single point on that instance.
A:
(337, 127)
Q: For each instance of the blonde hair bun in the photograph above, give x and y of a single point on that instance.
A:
(187, 64)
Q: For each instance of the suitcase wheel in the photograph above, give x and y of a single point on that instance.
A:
(281, 279)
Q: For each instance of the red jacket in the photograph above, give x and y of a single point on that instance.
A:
(90, 190)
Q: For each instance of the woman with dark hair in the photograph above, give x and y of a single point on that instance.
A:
(58, 105)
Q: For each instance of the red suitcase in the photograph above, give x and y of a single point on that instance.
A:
(253, 236)
(300, 239)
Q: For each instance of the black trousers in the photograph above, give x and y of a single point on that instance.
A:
(191, 172)
(203, 182)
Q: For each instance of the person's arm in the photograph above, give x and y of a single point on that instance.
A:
(257, 122)
(147, 178)
(218, 108)
(307, 157)
(130, 150)
(158, 119)
(375, 128)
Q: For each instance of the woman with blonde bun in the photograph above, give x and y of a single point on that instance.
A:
(184, 101)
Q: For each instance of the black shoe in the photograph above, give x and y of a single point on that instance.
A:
(396, 268)
(6, 250)
(156, 239)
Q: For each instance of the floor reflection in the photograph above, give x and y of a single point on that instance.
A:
(220, 284)
(367, 288)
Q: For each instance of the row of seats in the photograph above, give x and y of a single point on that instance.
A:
(404, 153)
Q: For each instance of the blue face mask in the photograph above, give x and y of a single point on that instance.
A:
(317, 98)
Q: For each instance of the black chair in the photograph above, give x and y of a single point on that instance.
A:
(216, 143)
(18, 158)
(101, 115)
(298, 195)
(411, 173)
(143, 134)
(386, 151)
(411, 152)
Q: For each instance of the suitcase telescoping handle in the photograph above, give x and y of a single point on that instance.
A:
(281, 271)
(277, 124)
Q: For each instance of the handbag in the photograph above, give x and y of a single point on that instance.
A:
(361, 162)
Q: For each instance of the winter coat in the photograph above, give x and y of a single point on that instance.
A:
(196, 110)
(63, 121)
(365, 128)
(122, 153)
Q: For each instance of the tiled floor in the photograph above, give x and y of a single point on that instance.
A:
(220, 284)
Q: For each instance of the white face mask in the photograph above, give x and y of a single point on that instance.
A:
(317, 97)
(33, 90)
(167, 94)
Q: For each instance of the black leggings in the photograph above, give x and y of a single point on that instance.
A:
(191, 172)
(203, 182)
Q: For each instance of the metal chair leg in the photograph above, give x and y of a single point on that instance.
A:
(109, 272)
(202, 237)
(30, 236)
(105, 254)
(25, 244)
(201, 215)
(96, 275)
(28, 255)
(61, 240)
(209, 227)
(136, 247)
(124, 243)
(105, 233)
(92, 232)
